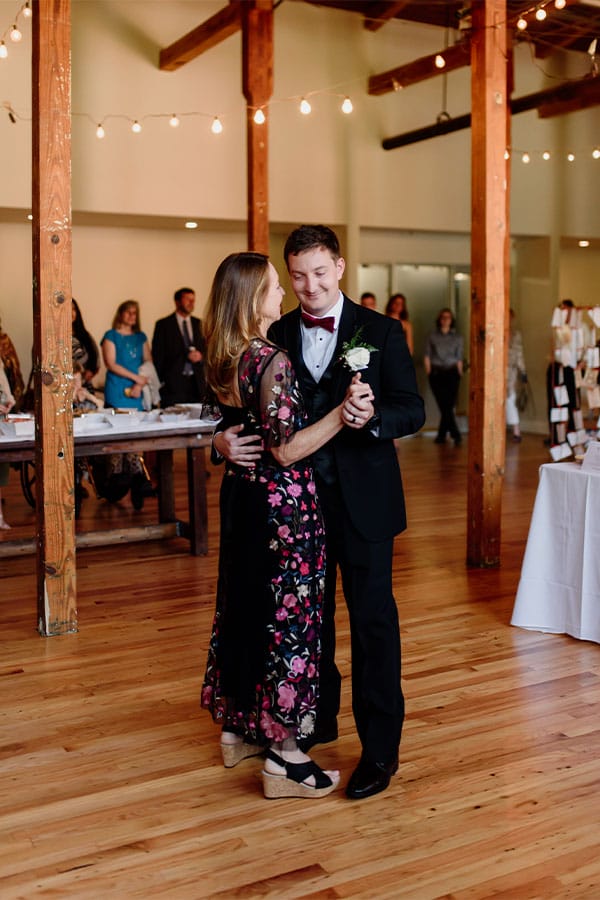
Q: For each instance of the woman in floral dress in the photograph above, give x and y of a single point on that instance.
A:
(262, 674)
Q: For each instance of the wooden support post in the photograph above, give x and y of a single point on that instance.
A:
(52, 257)
(257, 84)
(489, 252)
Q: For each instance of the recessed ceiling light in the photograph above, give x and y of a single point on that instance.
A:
(583, 243)
(191, 225)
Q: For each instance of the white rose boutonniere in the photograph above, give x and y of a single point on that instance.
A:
(356, 355)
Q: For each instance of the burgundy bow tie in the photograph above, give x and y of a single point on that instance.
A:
(327, 322)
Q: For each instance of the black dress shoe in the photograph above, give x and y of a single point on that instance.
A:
(370, 778)
(323, 735)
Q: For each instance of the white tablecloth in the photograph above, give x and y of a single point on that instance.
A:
(559, 590)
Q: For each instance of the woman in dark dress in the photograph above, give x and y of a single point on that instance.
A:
(262, 675)
(84, 347)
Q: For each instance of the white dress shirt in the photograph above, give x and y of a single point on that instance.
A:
(318, 344)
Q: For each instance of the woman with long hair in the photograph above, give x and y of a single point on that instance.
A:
(396, 309)
(84, 347)
(262, 674)
(124, 348)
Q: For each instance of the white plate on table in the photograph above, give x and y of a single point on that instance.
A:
(194, 410)
(90, 423)
(174, 418)
(18, 426)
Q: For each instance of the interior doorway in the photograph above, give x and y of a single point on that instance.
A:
(427, 288)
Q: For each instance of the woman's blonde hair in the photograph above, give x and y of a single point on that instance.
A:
(121, 309)
(233, 316)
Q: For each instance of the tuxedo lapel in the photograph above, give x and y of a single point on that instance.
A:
(347, 328)
(293, 341)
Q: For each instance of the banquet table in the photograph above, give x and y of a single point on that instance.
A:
(559, 588)
(119, 434)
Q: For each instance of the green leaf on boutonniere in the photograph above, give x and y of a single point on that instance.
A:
(356, 354)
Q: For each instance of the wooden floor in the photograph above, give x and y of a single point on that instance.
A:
(112, 783)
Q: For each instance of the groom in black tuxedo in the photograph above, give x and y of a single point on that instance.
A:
(359, 487)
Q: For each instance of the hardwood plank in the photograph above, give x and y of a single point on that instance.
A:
(112, 778)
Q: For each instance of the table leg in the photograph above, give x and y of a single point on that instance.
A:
(198, 527)
(166, 493)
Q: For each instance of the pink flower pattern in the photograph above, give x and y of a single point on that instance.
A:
(285, 699)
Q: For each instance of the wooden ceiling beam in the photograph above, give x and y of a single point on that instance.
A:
(556, 101)
(382, 12)
(216, 29)
(456, 56)
(586, 96)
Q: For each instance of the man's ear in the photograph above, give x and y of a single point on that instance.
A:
(340, 266)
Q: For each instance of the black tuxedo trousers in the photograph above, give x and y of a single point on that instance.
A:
(366, 572)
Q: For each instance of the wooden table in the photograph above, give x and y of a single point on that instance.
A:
(160, 439)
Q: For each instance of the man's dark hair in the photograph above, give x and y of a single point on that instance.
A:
(308, 237)
(179, 294)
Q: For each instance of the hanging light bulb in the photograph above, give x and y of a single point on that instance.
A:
(571, 157)
(217, 126)
(15, 34)
(174, 121)
(540, 14)
(440, 62)
(506, 154)
(546, 155)
(560, 4)
(521, 24)
(526, 158)
(100, 131)
(596, 153)
(27, 11)
(259, 117)
(305, 107)
(136, 127)
(3, 50)
(347, 106)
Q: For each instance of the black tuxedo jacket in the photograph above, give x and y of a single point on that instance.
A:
(169, 355)
(366, 461)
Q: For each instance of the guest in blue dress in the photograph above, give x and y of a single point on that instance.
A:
(124, 348)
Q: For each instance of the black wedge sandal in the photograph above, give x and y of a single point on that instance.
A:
(292, 784)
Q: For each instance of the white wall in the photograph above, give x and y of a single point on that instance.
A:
(405, 205)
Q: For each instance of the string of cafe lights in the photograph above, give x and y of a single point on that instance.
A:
(13, 33)
(530, 156)
(259, 114)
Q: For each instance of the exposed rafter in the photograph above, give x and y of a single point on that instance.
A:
(571, 28)
(555, 101)
(382, 12)
(455, 57)
(216, 29)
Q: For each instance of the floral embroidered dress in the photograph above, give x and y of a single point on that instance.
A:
(263, 659)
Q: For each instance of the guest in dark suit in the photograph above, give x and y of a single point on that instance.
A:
(177, 352)
(359, 484)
